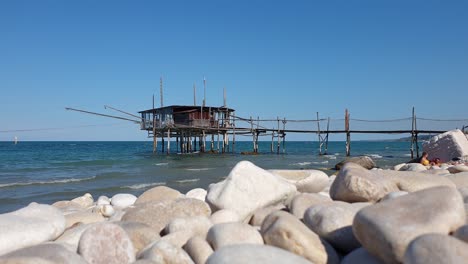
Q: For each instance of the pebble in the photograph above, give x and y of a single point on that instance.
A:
(197, 193)
(462, 233)
(254, 254)
(164, 252)
(140, 234)
(435, 249)
(197, 225)
(83, 217)
(157, 194)
(103, 200)
(302, 201)
(260, 215)
(106, 243)
(283, 230)
(221, 235)
(84, 201)
(158, 215)
(333, 222)
(306, 181)
(123, 200)
(224, 216)
(360, 256)
(198, 249)
(107, 210)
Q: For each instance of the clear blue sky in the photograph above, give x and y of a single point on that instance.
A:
(275, 58)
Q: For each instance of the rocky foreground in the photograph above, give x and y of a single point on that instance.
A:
(257, 216)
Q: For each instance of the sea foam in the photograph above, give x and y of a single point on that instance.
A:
(15, 184)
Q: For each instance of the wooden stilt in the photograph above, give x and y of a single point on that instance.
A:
(279, 138)
(319, 135)
(284, 135)
(233, 136)
(272, 139)
(348, 134)
(169, 141)
(204, 140)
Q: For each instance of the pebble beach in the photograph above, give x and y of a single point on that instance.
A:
(409, 213)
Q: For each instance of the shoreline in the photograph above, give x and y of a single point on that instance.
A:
(210, 225)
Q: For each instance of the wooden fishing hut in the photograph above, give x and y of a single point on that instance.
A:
(187, 124)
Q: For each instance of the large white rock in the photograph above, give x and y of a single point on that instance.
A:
(448, 145)
(123, 200)
(42, 254)
(106, 243)
(306, 181)
(248, 188)
(435, 249)
(31, 225)
(254, 254)
(221, 235)
(285, 231)
(385, 229)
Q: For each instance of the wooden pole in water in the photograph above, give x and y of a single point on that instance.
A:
(412, 135)
(348, 134)
(168, 141)
(318, 133)
(326, 142)
(272, 139)
(416, 135)
(253, 134)
(155, 139)
(233, 135)
(204, 141)
(284, 135)
(278, 145)
(162, 142)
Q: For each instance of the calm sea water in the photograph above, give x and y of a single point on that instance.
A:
(46, 172)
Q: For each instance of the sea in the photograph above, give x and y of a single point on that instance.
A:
(46, 172)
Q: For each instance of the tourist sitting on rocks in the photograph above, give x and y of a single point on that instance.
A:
(436, 162)
(423, 160)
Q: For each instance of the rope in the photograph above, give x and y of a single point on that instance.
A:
(55, 128)
(442, 120)
(381, 121)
